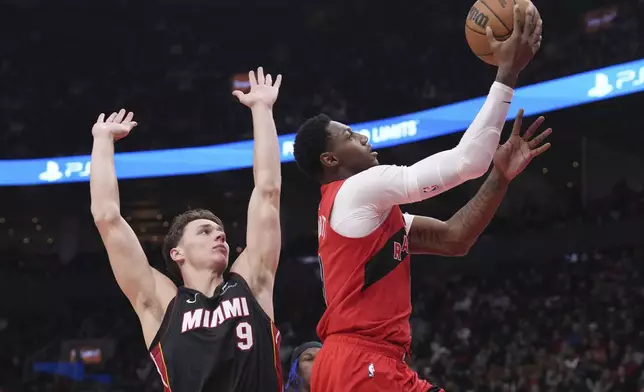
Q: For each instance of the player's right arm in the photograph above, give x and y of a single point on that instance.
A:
(374, 191)
(148, 290)
(366, 197)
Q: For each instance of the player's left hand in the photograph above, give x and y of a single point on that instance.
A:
(262, 89)
(512, 157)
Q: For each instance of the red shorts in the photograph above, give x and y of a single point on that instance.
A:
(351, 364)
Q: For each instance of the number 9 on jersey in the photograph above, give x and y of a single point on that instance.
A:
(244, 336)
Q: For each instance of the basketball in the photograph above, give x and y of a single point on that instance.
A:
(499, 15)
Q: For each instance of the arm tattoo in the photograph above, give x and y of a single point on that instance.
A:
(470, 221)
(428, 240)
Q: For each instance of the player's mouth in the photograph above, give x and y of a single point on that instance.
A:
(219, 247)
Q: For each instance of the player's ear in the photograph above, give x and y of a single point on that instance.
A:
(176, 254)
(328, 159)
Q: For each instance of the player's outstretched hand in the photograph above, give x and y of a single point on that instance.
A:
(117, 126)
(515, 154)
(516, 52)
(262, 89)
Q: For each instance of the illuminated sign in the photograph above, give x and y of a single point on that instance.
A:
(592, 86)
(607, 83)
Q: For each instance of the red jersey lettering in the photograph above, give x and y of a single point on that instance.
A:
(397, 251)
(367, 281)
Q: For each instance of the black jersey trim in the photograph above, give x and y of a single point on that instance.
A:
(383, 262)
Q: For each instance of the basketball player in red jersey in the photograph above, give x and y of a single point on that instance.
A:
(216, 332)
(365, 240)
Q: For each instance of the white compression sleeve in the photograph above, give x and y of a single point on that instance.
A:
(364, 200)
(471, 158)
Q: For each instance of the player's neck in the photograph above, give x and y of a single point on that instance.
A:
(203, 281)
(339, 175)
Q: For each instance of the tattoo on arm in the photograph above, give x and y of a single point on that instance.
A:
(475, 216)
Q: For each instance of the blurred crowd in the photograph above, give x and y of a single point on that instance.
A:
(172, 64)
(573, 323)
(569, 325)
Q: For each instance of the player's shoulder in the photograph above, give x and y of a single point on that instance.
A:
(373, 175)
(235, 282)
(236, 286)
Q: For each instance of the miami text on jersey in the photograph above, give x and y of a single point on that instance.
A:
(204, 318)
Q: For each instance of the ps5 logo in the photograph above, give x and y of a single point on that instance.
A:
(53, 171)
(623, 79)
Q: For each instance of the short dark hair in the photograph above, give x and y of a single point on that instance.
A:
(176, 233)
(310, 142)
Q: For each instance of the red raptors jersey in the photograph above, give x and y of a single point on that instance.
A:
(367, 282)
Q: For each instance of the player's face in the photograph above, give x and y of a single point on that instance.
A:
(349, 149)
(306, 363)
(204, 245)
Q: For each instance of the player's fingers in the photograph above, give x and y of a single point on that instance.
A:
(533, 127)
(517, 18)
(536, 34)
(120, 116)
(516, 128)
(101, 118)
(278, 81)
(129, 117)
(538, 151)
(529, 23)
(540, 138)
(128, 127)
(252, 79)
(260, 76)
(269, 80)
(490, 37)
(238, 94)
(111, 117)
(535, 15)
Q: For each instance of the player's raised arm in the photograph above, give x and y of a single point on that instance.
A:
(148, 290)
(385, 186)
(258, 263)
(457, 235)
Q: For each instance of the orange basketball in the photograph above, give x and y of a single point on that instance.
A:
(499, 15)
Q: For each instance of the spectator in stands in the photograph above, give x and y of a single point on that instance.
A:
(299, 376)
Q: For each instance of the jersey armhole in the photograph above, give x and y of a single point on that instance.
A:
(409, 220)
(166, 323)
(240, 279)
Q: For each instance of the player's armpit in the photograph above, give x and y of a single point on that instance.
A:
(147, 289)
(258, 263)
(432, 236)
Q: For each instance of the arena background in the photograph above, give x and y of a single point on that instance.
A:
(550, 299)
